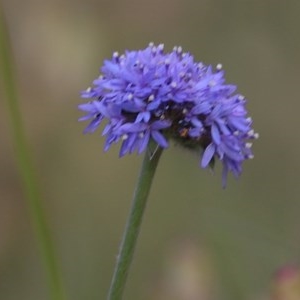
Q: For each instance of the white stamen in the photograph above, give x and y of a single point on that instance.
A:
(173, 84)
(212, 83)
(151, 98)
(124, 137)
(160, 47)
(256, 135)
(179, 49)
(241, 97)
(151, 44)
(115, 54)
(141, 135)
(219, 67)
(184, 111)
(251, 132)
(130, 96)
(88, 89)
(248, 145)
(250, 156)
(236, 133)
(249, 119)
(162, 117)
(167, 61)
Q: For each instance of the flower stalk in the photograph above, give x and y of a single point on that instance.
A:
(26, 169)
(134, 221)
(151, 96)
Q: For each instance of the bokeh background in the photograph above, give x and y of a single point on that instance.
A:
(198, 241)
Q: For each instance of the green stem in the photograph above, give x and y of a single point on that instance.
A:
(134, 222)
(26, 168)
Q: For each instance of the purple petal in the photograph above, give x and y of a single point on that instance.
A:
(110, 139)
(232, 153)
(201, 108)
(195, 132)
(208, 155)
(159, 138)
(131, 127)
(93, 125)
(215, 114)
(86, 117)
(196, 122)
(89, 93)
(124, 148)
(106, 129)
(132, 141)
(157, 125)
(223, 127)
(240, 123)
(130, 107)
(112, 84)
(215, 133)
(87, 107)
(154, 104)
(127, 144)
(143, 116)
(110, 67)
(144, 142)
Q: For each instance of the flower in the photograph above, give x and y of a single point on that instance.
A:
(152, 94)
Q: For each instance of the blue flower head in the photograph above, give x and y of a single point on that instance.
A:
(150, 94)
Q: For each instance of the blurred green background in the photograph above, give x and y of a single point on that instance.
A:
(198, 241)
